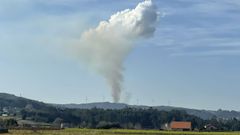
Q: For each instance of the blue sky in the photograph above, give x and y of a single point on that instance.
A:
(192, 60)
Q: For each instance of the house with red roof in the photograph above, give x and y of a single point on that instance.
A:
(181, 126)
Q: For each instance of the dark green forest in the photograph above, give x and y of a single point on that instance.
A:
(126, 118)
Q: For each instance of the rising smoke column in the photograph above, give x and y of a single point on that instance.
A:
(105, 47)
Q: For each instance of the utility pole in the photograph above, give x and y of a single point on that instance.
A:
(86, 100)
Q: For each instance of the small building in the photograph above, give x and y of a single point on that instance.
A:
(181, 126)
(165, 126)
(4, 115)
(210, 127)
(3, 130)
(64, 125)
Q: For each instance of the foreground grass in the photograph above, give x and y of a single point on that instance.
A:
(112, 132)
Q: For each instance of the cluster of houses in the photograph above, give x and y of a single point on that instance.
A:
(8, 111)
(4, 112)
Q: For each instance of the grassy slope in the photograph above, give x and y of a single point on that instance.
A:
(113, 132)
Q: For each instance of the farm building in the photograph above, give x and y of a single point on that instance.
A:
(210, 127)
(64, 125)
(181, 126)
(3, 130)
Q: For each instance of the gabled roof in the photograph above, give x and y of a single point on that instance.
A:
(181, 125)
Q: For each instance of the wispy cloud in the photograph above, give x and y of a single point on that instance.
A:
(210, 53)
(193, 27)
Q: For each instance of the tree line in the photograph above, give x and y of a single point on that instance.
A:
(130, 118)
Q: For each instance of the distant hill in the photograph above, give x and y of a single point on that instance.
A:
(12, 102)
(204, 114)
(101, 105)
(9, 100)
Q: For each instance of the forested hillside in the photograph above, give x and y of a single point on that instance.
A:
(22, 109)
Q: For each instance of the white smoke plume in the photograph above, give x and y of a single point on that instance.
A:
(105, 47)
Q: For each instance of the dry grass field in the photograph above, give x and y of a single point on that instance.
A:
(111, 132)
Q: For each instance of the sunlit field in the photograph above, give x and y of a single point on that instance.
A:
(112, 132)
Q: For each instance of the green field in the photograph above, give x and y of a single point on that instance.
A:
(112, 132)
